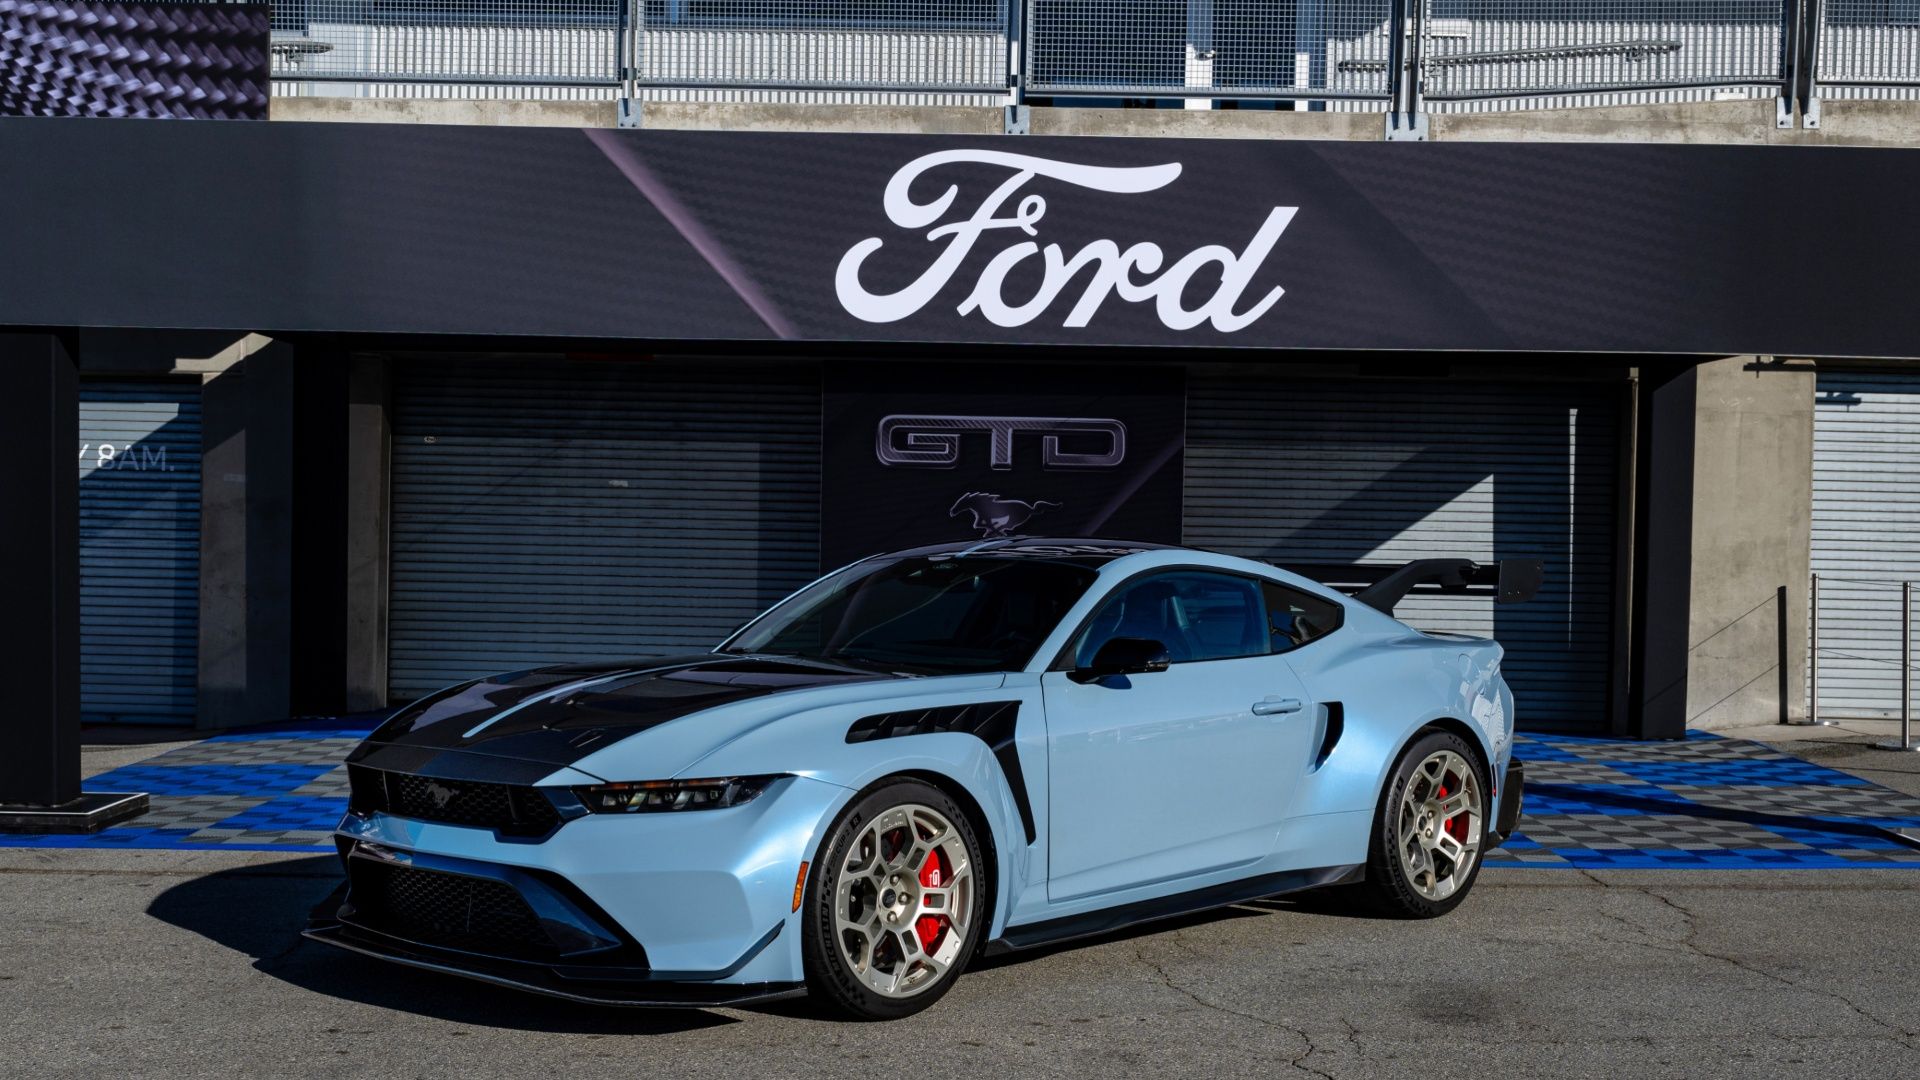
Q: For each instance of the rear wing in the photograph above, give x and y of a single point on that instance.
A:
(1382, 585)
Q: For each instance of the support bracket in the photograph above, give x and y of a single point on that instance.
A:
(1407, 127)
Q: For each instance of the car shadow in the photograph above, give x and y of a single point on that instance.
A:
(259, 911)
(1315, 902)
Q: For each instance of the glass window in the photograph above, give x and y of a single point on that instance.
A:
(950, 614)
(1197, 615)
(1295, 618)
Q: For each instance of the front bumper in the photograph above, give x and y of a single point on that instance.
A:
(583, 985)
(691, 908)
(1507, 817)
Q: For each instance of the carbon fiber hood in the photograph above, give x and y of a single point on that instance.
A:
(553, 717)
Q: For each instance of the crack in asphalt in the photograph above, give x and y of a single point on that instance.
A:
(1167, 979)
(1691, 943)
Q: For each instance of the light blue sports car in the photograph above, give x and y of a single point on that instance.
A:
(930, 754)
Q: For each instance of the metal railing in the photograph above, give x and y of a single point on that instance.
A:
(1861, 601)
(1526, 48)
(1399, 55)
(936, 46)
(1866, 48)
(476, 42)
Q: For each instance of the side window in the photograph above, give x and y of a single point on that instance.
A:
(1197, 615)
(1295, 618)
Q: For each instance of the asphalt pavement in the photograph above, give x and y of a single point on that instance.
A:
(189, 963)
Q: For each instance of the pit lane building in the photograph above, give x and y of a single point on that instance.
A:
(367, 409)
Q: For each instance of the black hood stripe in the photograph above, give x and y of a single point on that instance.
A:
(556, 716)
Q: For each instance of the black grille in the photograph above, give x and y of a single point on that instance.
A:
(508, 808)
(450, 910)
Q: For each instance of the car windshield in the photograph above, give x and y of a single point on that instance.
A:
(927, 615)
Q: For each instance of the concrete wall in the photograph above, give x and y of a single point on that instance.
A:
(1749, 122)
(1752, 514)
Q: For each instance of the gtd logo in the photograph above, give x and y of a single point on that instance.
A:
(933, 442)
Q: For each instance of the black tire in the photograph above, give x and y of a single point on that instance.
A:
(1389, 888)
(830, 973)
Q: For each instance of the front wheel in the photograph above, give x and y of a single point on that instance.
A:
(1429, 830)
(896, 908)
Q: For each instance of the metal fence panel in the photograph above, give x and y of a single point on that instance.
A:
(1868, 48)
(545, 42)
(1509, 48)
(1208, 48)
(886, 45)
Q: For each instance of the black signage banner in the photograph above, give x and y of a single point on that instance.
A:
(920, 454)
(751, 237)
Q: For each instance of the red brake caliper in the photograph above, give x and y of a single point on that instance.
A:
(1456, 825)
(934, 874)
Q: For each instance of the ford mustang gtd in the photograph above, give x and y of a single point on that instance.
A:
(927, 755)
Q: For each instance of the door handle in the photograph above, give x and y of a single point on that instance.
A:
(1277, 706)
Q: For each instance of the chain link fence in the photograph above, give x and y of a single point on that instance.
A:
(1868, 49)
(1307, 49)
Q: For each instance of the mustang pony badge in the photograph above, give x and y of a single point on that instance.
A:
(995, 517)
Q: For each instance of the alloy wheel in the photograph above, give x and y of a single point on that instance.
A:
(904, 901)
(1439, 825)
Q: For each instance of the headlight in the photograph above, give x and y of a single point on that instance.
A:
(659, 796)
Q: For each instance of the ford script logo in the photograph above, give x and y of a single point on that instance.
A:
(1140, 273)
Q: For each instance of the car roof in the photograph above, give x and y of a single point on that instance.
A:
(1091, 552)
(1094, 553)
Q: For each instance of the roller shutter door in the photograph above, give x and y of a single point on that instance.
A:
(1389, 471)
(1866, 534)
(139, 550)
(547, 511)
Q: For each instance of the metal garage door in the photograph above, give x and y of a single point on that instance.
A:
(139, 550)
(1388, 471)
(1866, 534)
(551, 511)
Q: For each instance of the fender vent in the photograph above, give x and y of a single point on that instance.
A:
(1336, 726)
(992, 722)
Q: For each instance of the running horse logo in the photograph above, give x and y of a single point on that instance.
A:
(441, 796)
(995, 517)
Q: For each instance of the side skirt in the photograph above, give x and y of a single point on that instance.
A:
(1105, 920)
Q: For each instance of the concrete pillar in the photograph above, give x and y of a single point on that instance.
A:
(369, 441)
(40, 588)
(1752, 522)
(1662, 550)
(317, 562)
(1723, 514)
(246, 543)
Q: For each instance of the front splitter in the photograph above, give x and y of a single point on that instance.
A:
(534, 979)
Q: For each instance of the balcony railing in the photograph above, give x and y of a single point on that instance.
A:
(1405, 55)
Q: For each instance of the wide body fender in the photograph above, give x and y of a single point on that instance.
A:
(813, 742)
(1391, 683)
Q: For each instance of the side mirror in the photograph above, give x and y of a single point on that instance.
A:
(1124, 656)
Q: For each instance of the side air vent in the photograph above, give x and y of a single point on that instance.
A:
(992, 722)
(1336, 727)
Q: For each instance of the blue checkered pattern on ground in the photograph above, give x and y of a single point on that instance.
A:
(1703, 803)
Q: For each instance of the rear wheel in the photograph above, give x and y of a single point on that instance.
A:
(895, 910)
(1429, 830)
